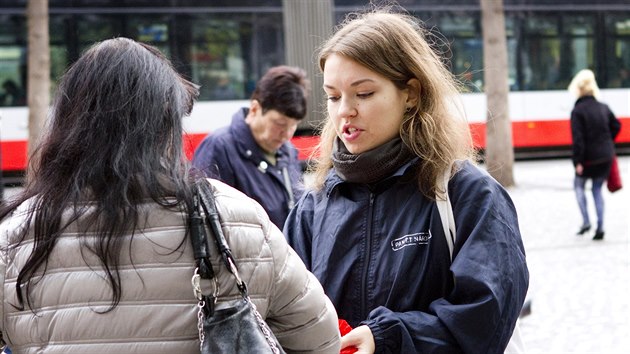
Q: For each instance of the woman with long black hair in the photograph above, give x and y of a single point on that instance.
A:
(94, 253)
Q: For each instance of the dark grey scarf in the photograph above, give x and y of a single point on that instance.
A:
(370, 166)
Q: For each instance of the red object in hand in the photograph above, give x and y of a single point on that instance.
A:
(344, 328)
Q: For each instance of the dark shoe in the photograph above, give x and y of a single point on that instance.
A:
(583, 229)
(599, 235)
(526, 310)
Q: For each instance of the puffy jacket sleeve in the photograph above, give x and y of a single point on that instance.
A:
(300, 314)
(490, 279)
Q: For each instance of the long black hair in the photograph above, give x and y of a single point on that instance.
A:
(114, 138)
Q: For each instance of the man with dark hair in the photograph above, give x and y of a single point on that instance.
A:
(254, 154)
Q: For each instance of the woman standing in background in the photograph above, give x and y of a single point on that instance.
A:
(593, 131)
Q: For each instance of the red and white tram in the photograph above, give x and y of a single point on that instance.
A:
(540, 124)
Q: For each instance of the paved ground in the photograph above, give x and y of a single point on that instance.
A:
(579, 288)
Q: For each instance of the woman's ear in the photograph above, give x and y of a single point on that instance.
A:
(254, 109)
(413, 92)
(254, 106)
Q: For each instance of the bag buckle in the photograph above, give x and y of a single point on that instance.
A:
(196, 285)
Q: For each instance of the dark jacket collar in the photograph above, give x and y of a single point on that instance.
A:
(585, 98)
(333, 180)
(245, 142)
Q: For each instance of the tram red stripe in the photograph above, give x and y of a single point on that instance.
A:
(525, 134)
(191, 141)
(541, 133)
(13, 155)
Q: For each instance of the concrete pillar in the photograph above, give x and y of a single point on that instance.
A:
(307, 24)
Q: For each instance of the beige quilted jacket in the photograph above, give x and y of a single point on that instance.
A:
(158, 313)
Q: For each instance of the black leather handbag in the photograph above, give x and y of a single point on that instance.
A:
(238, 328)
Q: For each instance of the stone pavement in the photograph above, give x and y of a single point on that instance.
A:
(579, 288)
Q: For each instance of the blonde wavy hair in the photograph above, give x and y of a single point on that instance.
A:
(584, 84)
(396, 46)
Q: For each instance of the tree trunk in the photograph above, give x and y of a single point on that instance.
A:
(499, 154)
(38, 82)
(307, 23)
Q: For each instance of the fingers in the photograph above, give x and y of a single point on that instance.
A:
(361, 338)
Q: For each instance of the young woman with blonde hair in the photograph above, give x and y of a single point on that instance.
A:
(370, 228)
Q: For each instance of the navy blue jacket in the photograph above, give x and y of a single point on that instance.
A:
(382, 257)
(231, 155)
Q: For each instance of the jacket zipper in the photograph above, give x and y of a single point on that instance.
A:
(284, 179)
(368, 240)
(288, 188)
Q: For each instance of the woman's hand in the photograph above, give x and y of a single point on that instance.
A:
(579, 169)
(361, 338)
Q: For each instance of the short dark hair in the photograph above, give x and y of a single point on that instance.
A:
(284, 89)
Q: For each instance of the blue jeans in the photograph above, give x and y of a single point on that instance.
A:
(597, 183)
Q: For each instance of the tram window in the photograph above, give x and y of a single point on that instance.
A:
(228, 53)
(150, 29)
(94, 28)
(216, 59)
(544, 26)
(617, 67)
(618, 51)
(60, 26)
(468, 63)
(577, 47)
(226, 2)
(463, 45)
(12, 29)
(12, 61)
(576, 25)
(58, 64)
(541, 53)
(12, 92)
(554, 48)
(512, 50)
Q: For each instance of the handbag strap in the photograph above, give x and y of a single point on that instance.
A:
(199, 239)
(204, 198)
